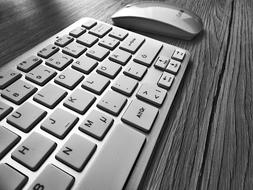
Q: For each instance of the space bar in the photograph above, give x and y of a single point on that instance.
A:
(113, 164)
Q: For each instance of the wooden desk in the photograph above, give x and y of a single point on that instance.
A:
(207, 142)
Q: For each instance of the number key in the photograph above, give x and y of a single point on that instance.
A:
(6, 78)
(30, 63)
(59, 61)
(40, 75)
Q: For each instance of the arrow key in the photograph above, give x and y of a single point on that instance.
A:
(152, 94)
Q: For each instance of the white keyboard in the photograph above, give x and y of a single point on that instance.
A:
(84, 109)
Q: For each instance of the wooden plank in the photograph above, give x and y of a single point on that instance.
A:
(179, 159)
(229, 159)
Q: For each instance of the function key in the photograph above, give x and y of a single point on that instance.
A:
(89, 24)
(26, 117)
(100, 30)
(63, 41)
(74, 49)
(18, 92)
(40, 75)
(52, 178)
(132, 43)
(76, 152)
(7, 140)
(118, 33)
(166, 80)
(161, 62)
(173, 66)
(29, 63)
(178, 54)
(33, 151)
(6, 78)
(48, 51)
(10, 178)
(4, 110)
(77, 32)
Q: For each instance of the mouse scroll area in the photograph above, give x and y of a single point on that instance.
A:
(160, 19)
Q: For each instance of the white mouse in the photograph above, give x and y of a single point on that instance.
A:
(159, 18)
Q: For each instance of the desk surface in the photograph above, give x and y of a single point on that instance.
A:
(207, 143)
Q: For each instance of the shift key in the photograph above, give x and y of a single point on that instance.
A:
(112, 166)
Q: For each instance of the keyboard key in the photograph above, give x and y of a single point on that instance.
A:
(84, 64)
(120, 56)
(97, 52)
(77, 32)
(7, 78)
(135, 70)
(18, 92)
(52, 178)
(87, 39)
(40, 75)
(79, 101)
(152, 94)
(118, 33)
(59, 61)
(69, 78)
(109, 42)
(140, 115)
(26, 117)
(10, 178)
(8, 140)
(48, 51)
(166, 80)
(89, 24)
(28, 64)
(50, 96)
(33, 151)
(63, 41)
(125, 85)
(114, 162)
(132, 43)
(74, 49)
(100, 30)
(4, 110)
(76, 152)
(161, 62)
(96, 83)
(146, 55)
(112, 102)
(173, 66)
(178, 55)
(59, 123)
(96, 124)
(109, 69)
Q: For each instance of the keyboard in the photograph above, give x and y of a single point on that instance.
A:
(84, 109)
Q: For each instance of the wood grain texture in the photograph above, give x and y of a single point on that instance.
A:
(208, 135)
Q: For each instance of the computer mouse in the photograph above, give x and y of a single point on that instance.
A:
(159, 18)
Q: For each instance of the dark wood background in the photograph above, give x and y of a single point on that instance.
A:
(207, 143)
